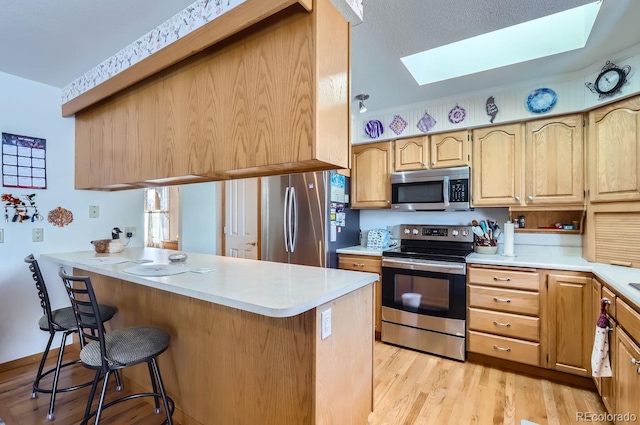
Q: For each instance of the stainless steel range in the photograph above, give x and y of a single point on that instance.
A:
(424, 289)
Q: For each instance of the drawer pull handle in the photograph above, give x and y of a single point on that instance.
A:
(358, 264)
(502, 279)
(502, 300)
(495, 347)
(507, 325)
(634, 361)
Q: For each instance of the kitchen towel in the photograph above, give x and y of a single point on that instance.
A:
(508, 231)
(600, 365)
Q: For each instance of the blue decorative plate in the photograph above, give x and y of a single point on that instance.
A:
(541, 100)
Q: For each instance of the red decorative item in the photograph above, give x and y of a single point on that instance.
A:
(60, 217)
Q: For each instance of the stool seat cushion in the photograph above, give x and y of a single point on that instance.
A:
(126, 347)
(65, 320)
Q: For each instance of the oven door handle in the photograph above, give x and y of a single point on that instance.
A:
(426, 267)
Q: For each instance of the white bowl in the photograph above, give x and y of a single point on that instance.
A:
(411, 299)
(486, 250)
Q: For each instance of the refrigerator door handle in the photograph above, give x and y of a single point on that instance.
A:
(284, 219)
(293, 233)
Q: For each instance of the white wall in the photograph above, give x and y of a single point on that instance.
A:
(33, 109)
(201, 217)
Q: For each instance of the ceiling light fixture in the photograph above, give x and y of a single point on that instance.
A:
(362, 98)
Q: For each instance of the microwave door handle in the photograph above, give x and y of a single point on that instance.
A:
(284, 218)
(293, 232)
(445, 191)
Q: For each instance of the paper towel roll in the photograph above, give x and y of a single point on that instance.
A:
(508, 239)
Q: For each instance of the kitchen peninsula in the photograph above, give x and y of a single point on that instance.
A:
(246, 344)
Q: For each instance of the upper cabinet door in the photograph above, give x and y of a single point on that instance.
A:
(554, 161)
(412, 153)
(371, 175)
(450, 149)
(614, 152)
(497, 166)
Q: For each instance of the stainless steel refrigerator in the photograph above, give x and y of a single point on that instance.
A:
(305, 218)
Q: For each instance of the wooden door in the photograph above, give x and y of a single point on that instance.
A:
(450, 149)
(554, 166)
(241, 219)
(627, 375)
(371, 175)
(614, 152)
(497, 166)
(569, 325)
(412, 153)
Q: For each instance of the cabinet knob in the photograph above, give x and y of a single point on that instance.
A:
(517, 198)
(433, 163)
(530, 198)
(388, 202)
(495, 347)
(634, 361)
(424, 164)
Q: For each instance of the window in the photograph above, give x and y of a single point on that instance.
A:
(161, 215)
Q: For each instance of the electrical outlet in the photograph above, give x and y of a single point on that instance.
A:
(94, 211)
(37, 234)
(325, 324)
(131, 230)
(1, 235)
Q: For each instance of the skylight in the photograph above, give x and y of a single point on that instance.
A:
(546, 36)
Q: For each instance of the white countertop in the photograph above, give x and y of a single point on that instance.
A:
(262, 287)
(359, 250)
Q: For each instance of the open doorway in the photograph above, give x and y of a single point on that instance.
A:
(162, 217)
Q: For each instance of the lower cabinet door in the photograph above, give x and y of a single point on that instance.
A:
(627, 375)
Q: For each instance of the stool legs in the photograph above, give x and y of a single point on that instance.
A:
(169, 413)
(56, 374)
(36, 383)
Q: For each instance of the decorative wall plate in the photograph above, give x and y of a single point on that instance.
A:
(398, 124)
(457, 115)
(426, 123)
(60, 217)
(374, 129)
(541, 100)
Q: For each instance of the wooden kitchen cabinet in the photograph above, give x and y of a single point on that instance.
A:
(614, 152)
(497, 166)
(271, 100)
(371, 168)
(554, 165)
(371, 264)
(450, 149)
(504, 313)
(412, 153)
(627, 374)
(605, 385)
(570, 327)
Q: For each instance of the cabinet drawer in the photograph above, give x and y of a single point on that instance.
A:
(628, 319)
(506, 324)
(507, 300)
(360, 263)
(606, 293)
(505, 278)
(505, 348)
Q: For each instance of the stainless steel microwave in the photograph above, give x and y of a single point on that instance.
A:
(431, 190)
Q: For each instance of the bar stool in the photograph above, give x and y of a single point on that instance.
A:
(60, 320)
(109, 352)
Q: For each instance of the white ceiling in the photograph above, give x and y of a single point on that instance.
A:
(55, 42)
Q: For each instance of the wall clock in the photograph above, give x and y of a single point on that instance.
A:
(610, 80)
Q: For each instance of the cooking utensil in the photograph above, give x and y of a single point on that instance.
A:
(477, 230)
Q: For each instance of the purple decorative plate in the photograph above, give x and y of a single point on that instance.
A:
(374, 129)
(426, 123)
(398, 124)
(457, 115)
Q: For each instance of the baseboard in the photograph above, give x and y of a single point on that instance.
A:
(35, 358)
(538, 372)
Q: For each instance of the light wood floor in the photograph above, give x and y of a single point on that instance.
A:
(409, 388)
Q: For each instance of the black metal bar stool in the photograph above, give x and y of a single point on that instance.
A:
(60, 320)
(108, 352)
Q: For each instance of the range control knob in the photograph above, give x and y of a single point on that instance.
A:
(407, 231)
(415, 231)
(454, 232)
(465, 233)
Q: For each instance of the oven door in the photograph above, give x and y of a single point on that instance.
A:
(431, 288)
